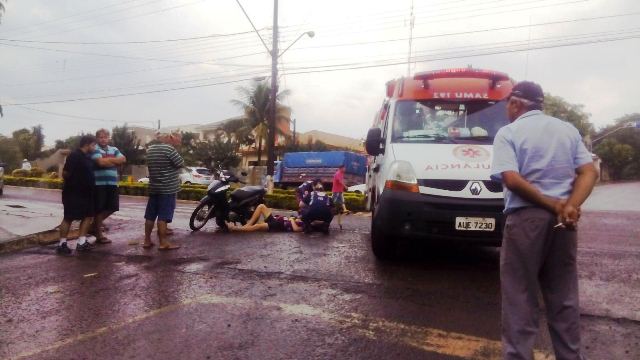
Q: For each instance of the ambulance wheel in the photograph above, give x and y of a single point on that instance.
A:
(383, 245)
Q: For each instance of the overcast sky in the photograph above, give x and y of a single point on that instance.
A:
(336, 78)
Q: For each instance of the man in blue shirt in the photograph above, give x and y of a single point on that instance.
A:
(547, 173)
(107, 195)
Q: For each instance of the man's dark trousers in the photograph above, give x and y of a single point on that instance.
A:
(536, 256)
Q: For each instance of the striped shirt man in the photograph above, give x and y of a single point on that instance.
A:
(106, 175)
(164, 165)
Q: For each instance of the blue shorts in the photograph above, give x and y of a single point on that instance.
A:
(338, 198)
(161, 207)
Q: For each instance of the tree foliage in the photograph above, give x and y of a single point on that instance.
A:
(619, 148)
(2, 10)
(211, 153)
(254, 102)
(71, 142)
(616, 156)
(218, 152)
(574, 113)
(9, 153)
(29, 142)
(128, 143)
(309, 146)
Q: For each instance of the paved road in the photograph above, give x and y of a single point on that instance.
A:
(275, 296)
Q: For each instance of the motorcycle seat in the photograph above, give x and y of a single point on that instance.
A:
(247, 192)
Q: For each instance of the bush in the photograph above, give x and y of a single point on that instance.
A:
(36, 172)
(277, 200)
(52, 175)
(20, 173)
(280, 201)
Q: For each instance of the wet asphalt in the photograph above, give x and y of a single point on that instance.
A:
(296, 296)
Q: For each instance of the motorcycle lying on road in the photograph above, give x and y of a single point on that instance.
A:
(238, 207)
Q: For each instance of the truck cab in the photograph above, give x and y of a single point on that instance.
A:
(431, 145)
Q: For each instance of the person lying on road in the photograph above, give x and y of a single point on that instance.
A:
(272, 223)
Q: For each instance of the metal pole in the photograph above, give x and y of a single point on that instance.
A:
(294, 132)
(271, 133)
(411, 23)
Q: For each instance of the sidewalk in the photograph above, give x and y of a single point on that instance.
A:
(20, 217)
(25, 223)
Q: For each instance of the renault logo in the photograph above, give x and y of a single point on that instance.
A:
(475, 188)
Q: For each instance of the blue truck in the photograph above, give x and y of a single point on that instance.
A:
(298, 167)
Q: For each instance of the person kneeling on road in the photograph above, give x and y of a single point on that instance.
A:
(272, 223)
(318, 209)
(303, 190)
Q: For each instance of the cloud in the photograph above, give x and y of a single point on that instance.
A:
(600, 76)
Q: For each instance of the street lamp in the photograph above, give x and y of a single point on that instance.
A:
(630, 124)
(308, 33)
(275, 54)
(271, 132)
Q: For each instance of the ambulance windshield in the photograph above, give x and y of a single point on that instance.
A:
(473, 122)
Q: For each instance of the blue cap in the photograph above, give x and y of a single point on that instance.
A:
(528, 90)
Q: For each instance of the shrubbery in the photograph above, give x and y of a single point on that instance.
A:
(35, 172)
(20, 173)
(280, 199)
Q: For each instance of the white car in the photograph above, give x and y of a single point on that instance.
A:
(358, 189)
(190, 175)
(1, 178)
(196, 175)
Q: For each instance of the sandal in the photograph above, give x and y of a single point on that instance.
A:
(170, 247)
(103, 240)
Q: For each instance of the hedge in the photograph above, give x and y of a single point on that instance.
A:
(283, 199)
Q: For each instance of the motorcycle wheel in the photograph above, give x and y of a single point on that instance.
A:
(200, 216)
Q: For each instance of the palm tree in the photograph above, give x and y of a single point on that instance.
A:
(254, 101)
(238, 131)
(2, 8)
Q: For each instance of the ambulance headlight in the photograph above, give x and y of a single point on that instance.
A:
(401, 177)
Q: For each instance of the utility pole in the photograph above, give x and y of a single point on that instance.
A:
(271, 132)
(411, 23)
(294, 132)
(275, 54)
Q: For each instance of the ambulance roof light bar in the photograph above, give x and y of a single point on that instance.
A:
(494, 76)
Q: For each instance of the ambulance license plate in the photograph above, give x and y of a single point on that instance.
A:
(475, 224)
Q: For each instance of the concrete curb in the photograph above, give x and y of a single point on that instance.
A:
(38, 239)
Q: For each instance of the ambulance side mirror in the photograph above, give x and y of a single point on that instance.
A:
(373, 144)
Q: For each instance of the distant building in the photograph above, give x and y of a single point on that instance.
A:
(332, 140)
(249, 153)
(144, 134)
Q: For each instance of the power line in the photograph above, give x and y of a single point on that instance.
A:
(124, 18)
(511, 43)
(128, 94)
(211, 36)
(127, 72)
(127, 57)
(469, 32)
(464, 56)
(68, 115)
(236, 45)
(160, 83)
(118, 3)
(338, 68)
(81, 20)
